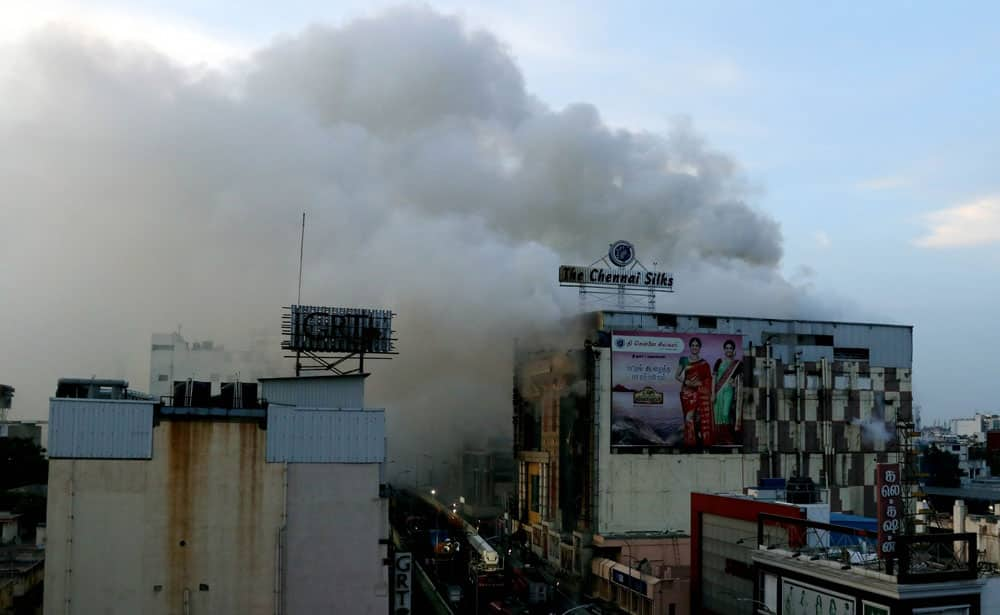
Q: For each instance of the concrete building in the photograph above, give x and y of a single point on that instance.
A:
(27, 430)
(8, 527)
(256, 507)
(975, 427)
(173, 358)
(932, 574)
(817, 400)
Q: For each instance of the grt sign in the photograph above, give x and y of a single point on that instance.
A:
(338, 330)
(401, 583)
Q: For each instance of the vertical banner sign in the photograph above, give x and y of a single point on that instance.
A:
(401, 583)
(890, 508)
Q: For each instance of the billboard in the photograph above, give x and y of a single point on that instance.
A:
(401, 582)
(889, 492)
(678, 390)
(338, 330)
(803, 599)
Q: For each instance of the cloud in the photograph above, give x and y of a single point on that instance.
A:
(822, 239)
(971, 224)
(889, 182)
(145, 192)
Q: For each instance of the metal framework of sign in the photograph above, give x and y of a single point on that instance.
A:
(402, 577)
(338, 330)
(890, 507)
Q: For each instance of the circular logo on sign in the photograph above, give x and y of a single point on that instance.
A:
(622, 253)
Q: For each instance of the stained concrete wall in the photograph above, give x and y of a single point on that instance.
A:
(653, 492)
(193, 530)
(331, 570)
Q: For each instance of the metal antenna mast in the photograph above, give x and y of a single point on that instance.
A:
(298, 297)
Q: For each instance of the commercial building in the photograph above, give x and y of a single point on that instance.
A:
(617, 424)
(236, 503)
(173, 358)
(932, 574)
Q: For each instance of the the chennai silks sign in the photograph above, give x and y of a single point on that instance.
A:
(620, 268)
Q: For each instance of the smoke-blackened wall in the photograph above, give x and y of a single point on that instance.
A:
(140, 193)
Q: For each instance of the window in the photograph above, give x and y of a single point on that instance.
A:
(163, 346)
(666, 320)
(535, 496)
(708, 322)
(850, 354)
(163, 377)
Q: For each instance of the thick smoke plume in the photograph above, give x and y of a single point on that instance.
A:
(139, 193)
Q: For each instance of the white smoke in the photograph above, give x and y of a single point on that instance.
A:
(139, 194)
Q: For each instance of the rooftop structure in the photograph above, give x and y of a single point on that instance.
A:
(218, 503)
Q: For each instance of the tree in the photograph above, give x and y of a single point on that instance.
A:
(21, 463)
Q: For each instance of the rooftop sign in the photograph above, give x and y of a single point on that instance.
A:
(620, 270)
(338, 330)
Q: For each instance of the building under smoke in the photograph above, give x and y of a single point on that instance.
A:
(173, 358)
(614, 429)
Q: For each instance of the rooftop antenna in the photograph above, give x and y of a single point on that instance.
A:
(302, 241)
(298, 297)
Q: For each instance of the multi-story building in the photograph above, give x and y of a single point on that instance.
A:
(173, 358)
(227, 505)
(615, 428)
(975, 427)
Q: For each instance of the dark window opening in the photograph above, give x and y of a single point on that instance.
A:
(535, 493)
(666, 320)
(163, 378)
(708, 322)
(850, 354)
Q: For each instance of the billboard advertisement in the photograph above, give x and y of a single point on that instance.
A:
(678, 390)
(804, 599)
(338, 330)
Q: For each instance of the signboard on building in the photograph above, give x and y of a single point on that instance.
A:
(799, 598)
(402, 576)
(678, 390)
(889, 492)
(627, 580)
(338, 330)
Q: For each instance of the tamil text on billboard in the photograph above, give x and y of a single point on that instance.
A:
(799, 598)
(678, 390)
(889, 492)
(338, 330)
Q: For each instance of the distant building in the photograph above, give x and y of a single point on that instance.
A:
(173, 358)
(27, 430)
(975, 427)
(6, 397)
(235, 506)
(629, 413)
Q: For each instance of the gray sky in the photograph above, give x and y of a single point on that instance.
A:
(834, 163)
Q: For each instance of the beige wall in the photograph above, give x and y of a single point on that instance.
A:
(331, 570)
(653, 492)
(115, 527)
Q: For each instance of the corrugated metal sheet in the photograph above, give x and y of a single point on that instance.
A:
(317, 392)
(100, 429)
(309, 435)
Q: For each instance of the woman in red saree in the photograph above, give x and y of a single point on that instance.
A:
(695, 376)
